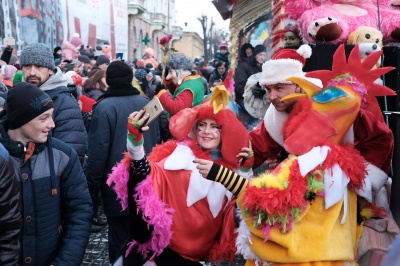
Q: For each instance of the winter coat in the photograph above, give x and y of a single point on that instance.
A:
(67, 116)
(216, 77)
(243, 71)
(107, 142)
(69, 51)
(224, 57)
(94, 94)
(10, 211)
(56, 205)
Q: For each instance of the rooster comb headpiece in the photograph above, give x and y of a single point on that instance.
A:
(359, 74)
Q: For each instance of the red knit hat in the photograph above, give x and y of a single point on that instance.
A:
(87, 103)
(223, 45)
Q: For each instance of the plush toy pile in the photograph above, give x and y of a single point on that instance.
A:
(332, 21)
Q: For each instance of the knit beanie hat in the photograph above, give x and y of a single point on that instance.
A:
(118, 72)
(76, 40)
(24, 103)
(84, 59)
(102, 59)
(223, 45)
(149, 66)
(9, 72)
(37, 54)
(140, 74)
(17, 77)
(259, 49)
(140, 63)
(285, 64)
(87, 103)
(13, 59)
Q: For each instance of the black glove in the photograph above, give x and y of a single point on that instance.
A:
(257, 91)
(159, 87)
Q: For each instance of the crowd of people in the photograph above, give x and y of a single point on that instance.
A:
(74, 137)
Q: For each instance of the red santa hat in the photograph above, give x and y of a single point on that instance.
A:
(284, 64)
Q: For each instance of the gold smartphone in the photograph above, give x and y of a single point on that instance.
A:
(154, 108)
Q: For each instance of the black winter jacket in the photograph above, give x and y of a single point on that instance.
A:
(243, 71)
(68, 119)
(107, 143)
(56, 227)
(10, 211)
(67, 116)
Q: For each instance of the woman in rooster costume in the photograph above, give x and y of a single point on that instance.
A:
(309, 210)
(178, 217)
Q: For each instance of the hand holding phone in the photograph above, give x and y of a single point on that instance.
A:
(154, 109)
(119, 55)
(148, 114)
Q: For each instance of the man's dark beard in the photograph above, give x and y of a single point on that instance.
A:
(37, 84)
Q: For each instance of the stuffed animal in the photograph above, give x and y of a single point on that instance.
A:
(369, 41)
(106, 49)
(331, 21)
(148, 57)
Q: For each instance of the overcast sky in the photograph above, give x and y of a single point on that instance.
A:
(189, 11)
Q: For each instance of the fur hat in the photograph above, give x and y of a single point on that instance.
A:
(180, 62)
(285, 64)
(118, 72)
(234, 135)
(24, 103)
(37, 54)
